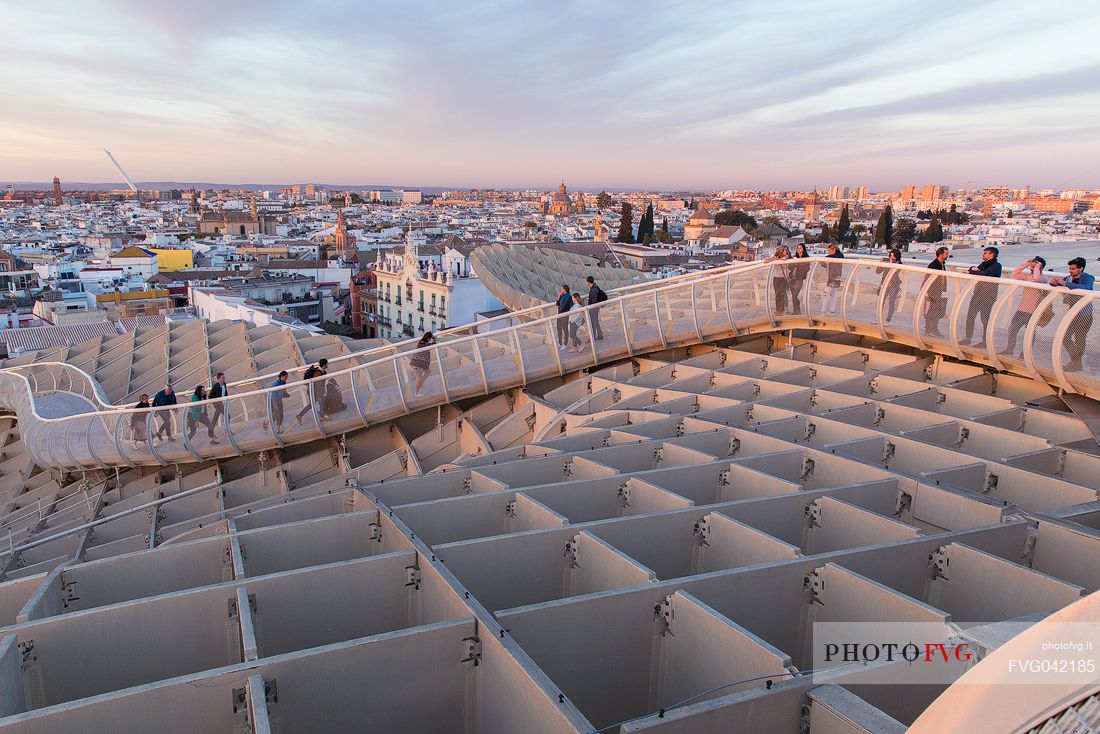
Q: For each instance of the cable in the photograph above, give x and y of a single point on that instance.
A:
(660, 713)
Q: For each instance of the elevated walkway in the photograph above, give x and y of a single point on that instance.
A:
(904, 304)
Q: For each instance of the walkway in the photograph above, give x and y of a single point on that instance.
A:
(904, 304)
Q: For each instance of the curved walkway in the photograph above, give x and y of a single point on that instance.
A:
(901, 303)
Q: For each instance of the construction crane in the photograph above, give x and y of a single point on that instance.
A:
(120, 170)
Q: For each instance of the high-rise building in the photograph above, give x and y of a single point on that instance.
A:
(836, 193)
(932, 192)
(909, 192)
(345, 243)
(57, 191)
(862, 192)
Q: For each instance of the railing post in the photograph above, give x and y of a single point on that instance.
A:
(844, 296)
(953, 328)
(1058, 343)
(626, 327)
(439, 354)
(921, 307)
(810, 297)
(1002, 301)
(768, 296)
(551, 328)
(519, 355)
(399, 385)
(480, 365)
(694, 312)
(729, 303)
(657, 313)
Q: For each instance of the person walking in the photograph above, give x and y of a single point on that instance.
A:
(139, 421)
(421, 362)
(936, 297)
(565, 302)
(218, 389)
(576, 321)
(891, 285)
(275, 400)
(983, 295)
(196, 414)
(1029, 272)
(780, 281)
(1078, 331)
(313, 371)
(833, 272)
(165, 398)
(595, 295)
(796, 277)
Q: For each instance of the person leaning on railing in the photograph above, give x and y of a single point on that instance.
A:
(891, 282)
(935, 306)
(983, 295)
(139, 420)
(833, 273)
(796, 277)
(780, 283)
(1029, 272)
(1078, 330)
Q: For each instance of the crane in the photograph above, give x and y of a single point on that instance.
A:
(120, 170)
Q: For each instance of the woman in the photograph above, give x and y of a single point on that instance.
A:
(421, 362)
(139, 420)
(779, 278)
(1030, 272)
(575, 323)
(196, 414)
(796, 277)
(891, 281)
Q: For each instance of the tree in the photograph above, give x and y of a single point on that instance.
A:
(735, 217)
(647, 238)
(603, 200)
(626, 224)
(933, 232)
(884, 230)
(664, 225)
(826, 235)
(843, 224)
(904, 232)
(645, 227)
(664, 237)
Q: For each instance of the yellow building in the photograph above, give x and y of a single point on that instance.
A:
(169, 261)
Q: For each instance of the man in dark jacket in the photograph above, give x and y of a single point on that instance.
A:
(218, 390)
(983, 295)
(163, 398)
(595, 295)
(936, 298)
(833, 273)
(565, 302)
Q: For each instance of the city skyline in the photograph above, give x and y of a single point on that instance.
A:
(625, 97)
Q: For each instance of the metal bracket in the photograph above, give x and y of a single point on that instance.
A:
(567, 469)
(813, 375)
(679, 429)
(722, 359)
(1029, 545)
(27, 656)
(763, 366)
(756, 389)
(68, 593)
(735, 446)
(724, 478)
(702, 530)
(468, 484)
(658, 455)
(813, 514)
(815, 584)
(888, 451)
(531, 420)
(938, 561)
(811, 429)
(240, 701)
(904, 502)
(375, 532)
(941, 398)
(624, 494)
(880, 414)
(991, 481)
(572, 551)
(510, 508)
(872, 385)
(412, 577)
(663, 614)
(929, 372)
(1061, 463)
(807, 468)
(964, 433)
(471, 651)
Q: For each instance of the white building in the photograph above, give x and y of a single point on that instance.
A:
(427, 294)
(136, 261)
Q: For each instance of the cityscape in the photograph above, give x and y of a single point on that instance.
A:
(580, 369)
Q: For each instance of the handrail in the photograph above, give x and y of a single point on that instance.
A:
(666, 305)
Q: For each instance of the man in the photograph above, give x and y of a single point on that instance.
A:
(314, 370)
(565, 302)
(1029, 272)
(163, 398)
(275, 400)
(983, 295)
(595, 295)
(935, 307)
(833, 273)
(217, 390)
(1078, 331)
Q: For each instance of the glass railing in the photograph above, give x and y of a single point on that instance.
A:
(1025, 328)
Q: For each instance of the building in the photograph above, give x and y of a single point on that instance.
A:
(933, 192)
(700, 224)
(345, 243)
(170, 260)
(862, 193)
(836, 193)
(562, 205)
(226, 222)
(813, 207)
(417, 295)
(136, 261)
(57, 191)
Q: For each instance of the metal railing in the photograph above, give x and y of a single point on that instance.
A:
(1048, 329)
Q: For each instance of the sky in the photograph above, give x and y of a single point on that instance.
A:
(605, 94)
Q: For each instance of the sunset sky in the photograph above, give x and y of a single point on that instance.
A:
(601, 94)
